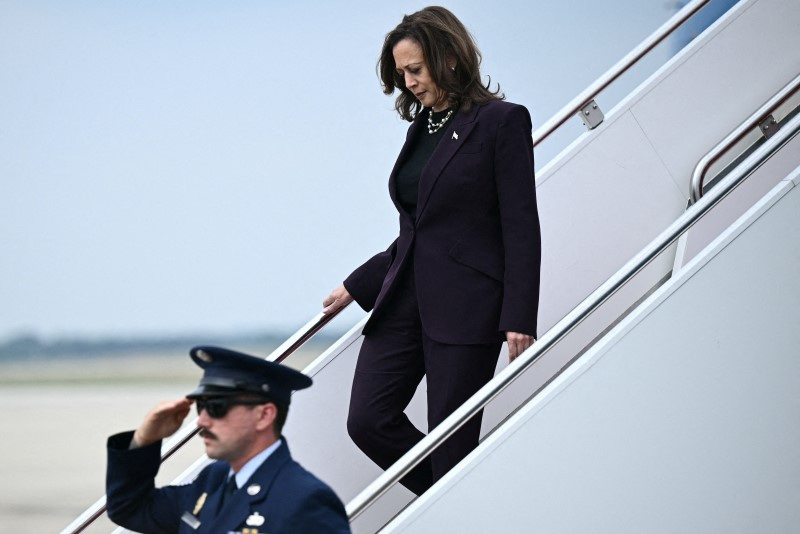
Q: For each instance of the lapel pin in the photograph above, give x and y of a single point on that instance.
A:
(253, 489)
(255, 520)
(455, 135)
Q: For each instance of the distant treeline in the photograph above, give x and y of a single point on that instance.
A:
(29, 347)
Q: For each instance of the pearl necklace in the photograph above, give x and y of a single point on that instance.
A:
(434, 127)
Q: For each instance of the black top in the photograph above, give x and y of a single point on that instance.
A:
(421, 150)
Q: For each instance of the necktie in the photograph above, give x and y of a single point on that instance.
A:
(230, 489)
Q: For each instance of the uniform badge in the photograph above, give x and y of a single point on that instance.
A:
(255, 520)
(199, 504)
(206, 357)
(253, 489)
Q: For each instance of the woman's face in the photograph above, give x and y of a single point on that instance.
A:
(410, 64)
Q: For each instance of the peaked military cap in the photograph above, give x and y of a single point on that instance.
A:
(229, 373)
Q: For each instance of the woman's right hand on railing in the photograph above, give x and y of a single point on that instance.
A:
(339, 298)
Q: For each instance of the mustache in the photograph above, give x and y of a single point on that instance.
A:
(205, 433)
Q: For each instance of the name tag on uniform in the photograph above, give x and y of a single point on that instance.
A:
(190, 520)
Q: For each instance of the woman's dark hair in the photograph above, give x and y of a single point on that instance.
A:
(444, 40)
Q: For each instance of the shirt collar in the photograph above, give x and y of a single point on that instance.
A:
(254, 463)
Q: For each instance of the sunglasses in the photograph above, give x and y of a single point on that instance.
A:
(218, 408)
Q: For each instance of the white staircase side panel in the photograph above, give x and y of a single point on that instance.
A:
(713, 85)
(684, 418)
(597, 210)
(736, 203)
(612, 191)
(616, 187)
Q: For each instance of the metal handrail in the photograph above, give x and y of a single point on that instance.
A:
(700, 170)
(480, 399)
(188, 431)
(622, 66)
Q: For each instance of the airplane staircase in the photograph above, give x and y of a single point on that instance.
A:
(602, 201)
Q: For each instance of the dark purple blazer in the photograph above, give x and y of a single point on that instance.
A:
(475, 244)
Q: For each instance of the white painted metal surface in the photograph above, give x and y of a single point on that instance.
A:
(737, 203)
(682, 419)
(756, 121)
(748, 64)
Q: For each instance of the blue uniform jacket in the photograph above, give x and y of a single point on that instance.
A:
(280, 497)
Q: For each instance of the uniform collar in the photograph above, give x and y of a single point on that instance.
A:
(253, 490)
(253, 464)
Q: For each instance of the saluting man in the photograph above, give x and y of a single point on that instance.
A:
(254, 487)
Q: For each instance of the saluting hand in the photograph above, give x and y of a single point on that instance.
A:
(517, 343)
(162, 421)
(339, 298)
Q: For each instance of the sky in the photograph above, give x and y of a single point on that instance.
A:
(196, 166)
